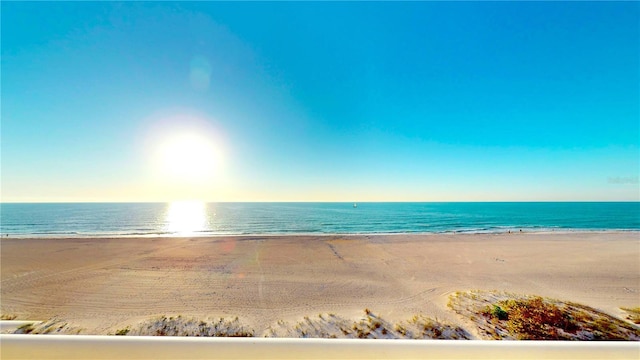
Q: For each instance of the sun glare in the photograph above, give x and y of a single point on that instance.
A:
(185, 156)
(186, 217)
(188, 157)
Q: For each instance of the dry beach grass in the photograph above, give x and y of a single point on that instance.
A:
(498, 315)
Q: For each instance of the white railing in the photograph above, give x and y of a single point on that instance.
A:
(151, 347)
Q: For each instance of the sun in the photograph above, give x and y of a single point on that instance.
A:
(186, 156)
(189, 156)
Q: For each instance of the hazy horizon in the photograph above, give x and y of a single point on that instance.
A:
(306, 202)
(320, 102)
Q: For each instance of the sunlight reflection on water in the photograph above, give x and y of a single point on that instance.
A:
(186, 217)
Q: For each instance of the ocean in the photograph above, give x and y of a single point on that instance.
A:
(206, 219)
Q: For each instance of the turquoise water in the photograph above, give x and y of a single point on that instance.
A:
(189, 219)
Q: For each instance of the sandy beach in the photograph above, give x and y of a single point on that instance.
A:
(101, 285)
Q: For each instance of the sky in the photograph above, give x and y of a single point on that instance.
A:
(328, 101)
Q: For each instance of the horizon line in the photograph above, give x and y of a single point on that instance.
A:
(319, 202)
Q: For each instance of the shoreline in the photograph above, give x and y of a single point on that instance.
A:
(544, 231)
(111, 283)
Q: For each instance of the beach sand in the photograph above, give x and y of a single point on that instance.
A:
(100, 285)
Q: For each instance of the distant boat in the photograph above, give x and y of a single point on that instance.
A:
(355, 205)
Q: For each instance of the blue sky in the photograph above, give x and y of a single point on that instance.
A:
(439, 101)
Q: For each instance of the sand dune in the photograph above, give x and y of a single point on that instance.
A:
(100, 285)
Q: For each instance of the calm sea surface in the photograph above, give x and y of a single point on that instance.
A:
(194, 218)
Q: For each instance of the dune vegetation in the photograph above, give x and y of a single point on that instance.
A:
(484, 315)
(499, 315)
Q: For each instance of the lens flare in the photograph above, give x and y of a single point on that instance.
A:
(200, 73)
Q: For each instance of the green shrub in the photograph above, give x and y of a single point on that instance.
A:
(499, 313)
